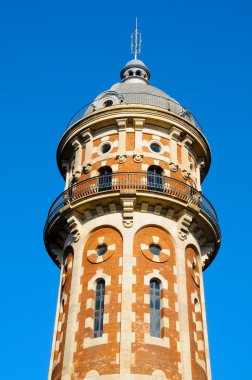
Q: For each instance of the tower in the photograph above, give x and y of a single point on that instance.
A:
(131, 234)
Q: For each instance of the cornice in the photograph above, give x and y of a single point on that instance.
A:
(152, 115)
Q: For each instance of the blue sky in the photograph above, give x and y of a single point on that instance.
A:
(57, 56)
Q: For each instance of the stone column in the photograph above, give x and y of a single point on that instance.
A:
(183, 312)
(138, 125)
(55, 326)
(76, 143)
(122, 130)
(174, 135)
(200, 164)
(76, 291)
(126, 302)
(88, 143)
(186, 144)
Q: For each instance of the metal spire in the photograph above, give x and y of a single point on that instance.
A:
(136, 42)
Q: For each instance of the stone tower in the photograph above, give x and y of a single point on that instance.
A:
(131, 234)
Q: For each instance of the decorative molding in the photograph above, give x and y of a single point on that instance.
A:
(76, 176)
(184, 221)
(138, 156)
(86, 136)
(174, 133)
(74, 225)
(87, 167)
(173, 166)
(187, 141)
(76, 142)
(185, 173)
(206, 253)
(121, 158)
(128, 210)
(122, 124)
(139, 124)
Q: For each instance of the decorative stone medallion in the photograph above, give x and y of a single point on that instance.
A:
(100, 246)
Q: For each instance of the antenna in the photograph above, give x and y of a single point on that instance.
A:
(136, 42)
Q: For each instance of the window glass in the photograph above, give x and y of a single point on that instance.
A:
(99, 308)
(155, 308)
(105, 148)
(155, 147)
(155, 249)
(102, 249)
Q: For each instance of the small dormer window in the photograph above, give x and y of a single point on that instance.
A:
(108, 103)
(130, 73)
(138, 73)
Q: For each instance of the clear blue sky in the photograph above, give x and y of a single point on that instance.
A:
(57, 56)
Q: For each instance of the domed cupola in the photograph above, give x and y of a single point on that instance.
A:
(135, 69)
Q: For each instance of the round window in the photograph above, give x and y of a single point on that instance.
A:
(105, 148)
(102, 249)
(155, 249)
(155, 147)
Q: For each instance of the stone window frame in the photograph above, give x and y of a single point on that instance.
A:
(89, 322)
(163, 341)
(155, 141)
(99, 292)
(106, 142)
(155, 312)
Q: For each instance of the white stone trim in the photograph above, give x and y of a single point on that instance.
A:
(122, 130)
(155, 274)
(91, 342)
(126, 303)
(74, 307)
(52, 364)
(163, 342)
(99, 274)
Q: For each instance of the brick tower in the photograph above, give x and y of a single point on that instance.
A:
(131, 235)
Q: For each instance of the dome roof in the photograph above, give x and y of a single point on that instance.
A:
(131, 87)
(134, 89)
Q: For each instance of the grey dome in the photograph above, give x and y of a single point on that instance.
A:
(135, 68)
(130, 87)
(135, 89)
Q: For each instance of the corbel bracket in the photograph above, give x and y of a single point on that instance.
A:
(74, 225)
(128, 202)
(184, 221)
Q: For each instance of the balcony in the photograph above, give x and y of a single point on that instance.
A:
(111, 183)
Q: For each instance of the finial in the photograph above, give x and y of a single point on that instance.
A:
(136, 42)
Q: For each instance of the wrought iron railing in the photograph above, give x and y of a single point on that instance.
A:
(138, 98)
(135, 181)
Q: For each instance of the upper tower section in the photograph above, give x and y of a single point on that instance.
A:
(134, 139)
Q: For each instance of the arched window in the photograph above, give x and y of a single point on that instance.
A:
(105, 178)
(155, 178)
(99, 308)
(155, 308)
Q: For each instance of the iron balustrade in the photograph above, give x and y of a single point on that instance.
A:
(138, 98)
(134, 181)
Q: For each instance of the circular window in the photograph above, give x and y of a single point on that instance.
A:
(102, 249)
(155, 249)
(155, 147)
(105, 148)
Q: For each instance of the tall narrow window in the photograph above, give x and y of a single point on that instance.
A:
(99, 308)
(155, 308)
